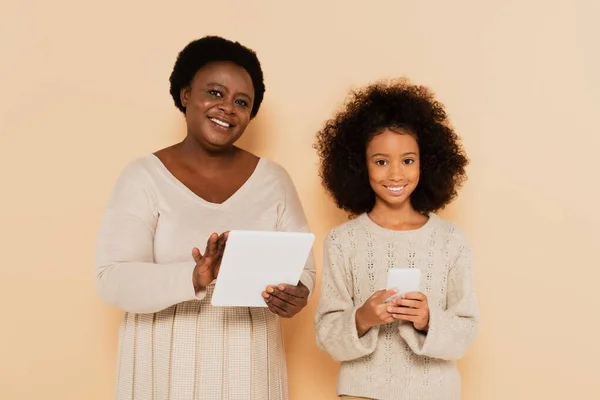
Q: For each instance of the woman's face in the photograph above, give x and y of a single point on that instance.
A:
(217, 105)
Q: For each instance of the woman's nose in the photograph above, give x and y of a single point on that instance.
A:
(226, 105)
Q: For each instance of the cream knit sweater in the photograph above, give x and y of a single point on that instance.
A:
(395, 361)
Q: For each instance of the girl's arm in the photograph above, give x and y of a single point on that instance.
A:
(335, 319)
(451, 330)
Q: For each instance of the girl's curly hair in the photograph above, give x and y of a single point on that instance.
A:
(341, 146)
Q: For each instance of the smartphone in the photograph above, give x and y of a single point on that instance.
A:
(406, 280)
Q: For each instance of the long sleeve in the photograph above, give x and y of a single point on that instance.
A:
(335, 319)
(126, 275)
(451, 330)
(293, 219)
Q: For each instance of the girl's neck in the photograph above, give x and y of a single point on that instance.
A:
(400, 217)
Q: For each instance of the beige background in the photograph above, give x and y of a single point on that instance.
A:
(84, 90)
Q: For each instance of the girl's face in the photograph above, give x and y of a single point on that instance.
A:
(393, 165)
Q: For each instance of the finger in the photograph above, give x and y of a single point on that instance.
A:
(276, 309)
(388, 293)
(217, 266)
(267, 294)
(211, 245)
(286, 297)
(287, 307)
(414, 296)
(299, 291)
(284, 305)
(381, 310)
(408, 303)
(384, 316)
(269, 289)
(403, 310)
(402, 317)
(211, 242)
(221, 244)
(196, 255)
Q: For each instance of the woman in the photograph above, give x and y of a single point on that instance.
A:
(172, 343)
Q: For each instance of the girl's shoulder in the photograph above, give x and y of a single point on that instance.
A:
(348, 227)
(344, 233)
(450, 231)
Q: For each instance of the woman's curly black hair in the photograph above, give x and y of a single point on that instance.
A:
(341, 146)
(210, 49)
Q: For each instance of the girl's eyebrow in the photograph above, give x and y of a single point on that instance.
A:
(387, 155)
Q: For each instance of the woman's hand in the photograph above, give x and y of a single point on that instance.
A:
(374, 312)
(208, 264)
(286, 300)
(411, 307)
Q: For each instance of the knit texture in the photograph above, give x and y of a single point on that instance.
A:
(395, 361)
(172, 343)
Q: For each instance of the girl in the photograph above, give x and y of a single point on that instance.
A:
(391, 159)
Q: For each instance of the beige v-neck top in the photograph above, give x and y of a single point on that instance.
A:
(172, 343)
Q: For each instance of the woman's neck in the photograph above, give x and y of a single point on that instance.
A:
(400, 217)
(197, 156)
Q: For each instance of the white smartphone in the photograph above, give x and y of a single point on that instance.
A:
(406, 280)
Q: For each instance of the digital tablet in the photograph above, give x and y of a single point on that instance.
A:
(253, 260)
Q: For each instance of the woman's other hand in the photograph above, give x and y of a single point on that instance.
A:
(208, 264)
(286, 300)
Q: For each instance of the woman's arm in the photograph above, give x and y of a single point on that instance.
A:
(126, 275)
(293, 219)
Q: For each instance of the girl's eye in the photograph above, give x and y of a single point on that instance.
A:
(215, 93)
(381, 162)
(409, 161)
(242, 103)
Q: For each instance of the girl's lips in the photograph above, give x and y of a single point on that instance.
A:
(395, 190)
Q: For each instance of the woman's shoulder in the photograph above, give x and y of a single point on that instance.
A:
(273, 174)
(140, 173)
(273, 168)
(139, 169)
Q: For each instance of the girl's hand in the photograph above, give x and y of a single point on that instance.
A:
(411, 307)
(208, 264)
(374, 312)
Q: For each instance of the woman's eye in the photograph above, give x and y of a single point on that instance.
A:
(242, 103)
(215, 93)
